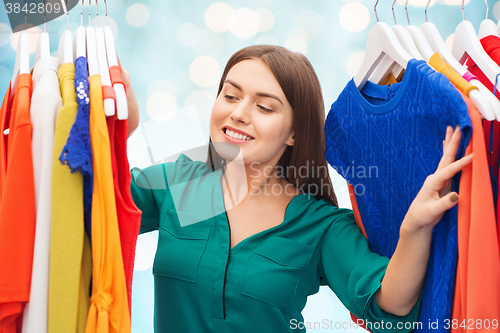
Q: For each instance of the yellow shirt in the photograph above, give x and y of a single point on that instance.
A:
(109, 310)
(459, 82)
(66, 274)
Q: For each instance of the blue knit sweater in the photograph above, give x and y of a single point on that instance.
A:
(385, 140)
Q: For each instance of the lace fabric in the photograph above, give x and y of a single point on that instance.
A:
(77, 152)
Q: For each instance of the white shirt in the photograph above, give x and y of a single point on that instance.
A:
(46, 102)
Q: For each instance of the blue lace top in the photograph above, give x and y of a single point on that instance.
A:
(77, 152)
(385, 140)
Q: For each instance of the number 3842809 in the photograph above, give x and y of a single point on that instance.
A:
(32, 8)
(471, 324)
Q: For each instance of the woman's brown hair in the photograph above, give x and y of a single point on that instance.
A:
(301, 87)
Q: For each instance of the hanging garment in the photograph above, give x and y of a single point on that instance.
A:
(390, 79)
(129, 216)
(388, 139)
(77, 152)
(108, 303)
(269, 274)
(46, 102)
(67, 234)
(477, 294)
(491, 44)
(17, 206)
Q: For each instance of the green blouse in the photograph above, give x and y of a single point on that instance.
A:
(262, 283)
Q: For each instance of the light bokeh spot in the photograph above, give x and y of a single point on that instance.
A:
(297, 44)
(266, 19)
(354, 17)
(353, 63)
(205, 71)
(217, 16)
(4, 34)
(137, 15)
(244, 23)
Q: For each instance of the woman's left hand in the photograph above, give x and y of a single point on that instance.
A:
(435, 198)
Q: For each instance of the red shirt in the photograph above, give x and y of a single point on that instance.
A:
(129, 216)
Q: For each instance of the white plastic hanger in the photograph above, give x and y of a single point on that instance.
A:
(386, 65)
(121, 97)
(466, 44)
(381, 41)
(43, 44)
(484, 103)
(405, 38)
(487, 27)
(91, 47)
(102, 60)
(79, 43)
(419, 38)
(22, 65)
(65, 51)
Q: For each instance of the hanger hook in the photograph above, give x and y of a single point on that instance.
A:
(81, 15)
(428, 2)
(406, 9)
(463, 13)
(375, 10)
(97, 13)
(90, 9)
(394, 15)
(25, 17)
(487, 8)
(44, 17)
(67, 16)
(106, 11)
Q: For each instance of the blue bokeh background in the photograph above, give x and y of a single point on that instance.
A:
(175, 52)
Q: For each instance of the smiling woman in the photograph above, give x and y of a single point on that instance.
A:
(244, 238)
(273, 95)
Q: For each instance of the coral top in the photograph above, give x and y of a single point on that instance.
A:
(17, 206)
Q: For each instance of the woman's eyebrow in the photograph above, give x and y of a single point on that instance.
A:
(237, 86)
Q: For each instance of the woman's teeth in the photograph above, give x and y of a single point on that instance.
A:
(237, 135)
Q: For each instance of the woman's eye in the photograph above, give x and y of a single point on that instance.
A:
(229, 97)
(264, 109)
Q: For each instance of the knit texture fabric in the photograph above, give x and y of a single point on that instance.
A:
(385, 141)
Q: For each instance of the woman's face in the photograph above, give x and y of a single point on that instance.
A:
(252, 104)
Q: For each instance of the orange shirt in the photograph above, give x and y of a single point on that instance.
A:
(477, 291)
(109, 310)
(17, 207)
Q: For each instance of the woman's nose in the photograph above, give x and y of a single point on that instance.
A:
(242, 113)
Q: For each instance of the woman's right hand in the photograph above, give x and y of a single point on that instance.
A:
(133, 106)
